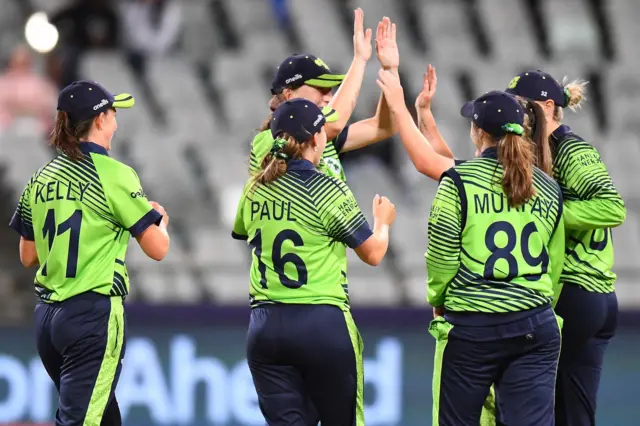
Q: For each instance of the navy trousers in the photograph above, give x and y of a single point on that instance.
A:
(81, 344)
(590, 321)
(518, 356)
(306, 364)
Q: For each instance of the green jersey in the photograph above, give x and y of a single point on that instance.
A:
(592, 206)
(485, 256)
(299, 227)
(329, 164)
(80, 215)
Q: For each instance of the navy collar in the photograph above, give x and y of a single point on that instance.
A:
(491, 152)
(89, 147)
(296, 165)
(560, 133)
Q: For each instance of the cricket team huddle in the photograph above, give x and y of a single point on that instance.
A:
(519, 254)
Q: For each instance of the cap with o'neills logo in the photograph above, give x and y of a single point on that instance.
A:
(301, 119)
(538, 86)
(84, 99)
(298, 70)
(497, 113)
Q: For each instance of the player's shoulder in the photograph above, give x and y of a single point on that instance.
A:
(262, 140)
(321, 185)
(110, 168)
(572, 145)
(543, 180)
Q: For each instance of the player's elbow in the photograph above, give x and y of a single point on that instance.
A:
(619, 213)
(154, 242)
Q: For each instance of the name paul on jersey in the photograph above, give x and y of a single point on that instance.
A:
(271, 210)
(56, 190)
(497, 203)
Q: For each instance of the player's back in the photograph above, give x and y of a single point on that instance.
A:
(298, 226)
(75, 212)
(504, 264)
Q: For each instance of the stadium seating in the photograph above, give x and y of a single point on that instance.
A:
(196, 167)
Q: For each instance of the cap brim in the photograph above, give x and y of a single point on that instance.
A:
(330, 114)
(123, 100)
(467, 110)
(326, 80)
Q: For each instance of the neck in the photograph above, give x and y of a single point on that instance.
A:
(486, 145)
(310, 155)
(552, 127)
(98, 139)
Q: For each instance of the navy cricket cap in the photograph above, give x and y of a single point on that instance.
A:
(497, 113)
(538, 86)
(84, 99)
(301, 69)
(301, 119)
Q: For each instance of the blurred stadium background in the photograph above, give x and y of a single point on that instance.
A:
(200, 71)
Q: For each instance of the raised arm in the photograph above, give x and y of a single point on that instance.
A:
(424, 157)
(598, 203)
(426, 120)
(344, 101)
(380, 126)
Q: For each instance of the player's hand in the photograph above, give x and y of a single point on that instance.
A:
(386, 46)
(162, 211)
(361, 39)
(438, 311)
(392, 89)
(383, 210)
(430, 81)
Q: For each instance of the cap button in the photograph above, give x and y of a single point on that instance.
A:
(90, 89)
(499, 110)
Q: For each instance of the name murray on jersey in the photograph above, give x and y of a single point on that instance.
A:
(494, 203)
(57, 190)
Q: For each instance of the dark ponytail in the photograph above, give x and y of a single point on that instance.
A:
(66, 137)
(536, 129)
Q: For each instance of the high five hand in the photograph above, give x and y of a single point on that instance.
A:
(386, 46)
(361, 38)
(430, 81)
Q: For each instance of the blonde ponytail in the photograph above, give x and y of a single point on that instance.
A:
(574, 93)
(515, 153)
(274, 164)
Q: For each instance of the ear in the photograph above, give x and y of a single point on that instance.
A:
(287, 93)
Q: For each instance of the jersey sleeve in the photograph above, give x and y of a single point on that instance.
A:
(556, 256)
(598, 203)
(21, 219)
(239, 231)
(443, 251)
(341, 139)
(341, 215)
(129, 202)
(259, 148)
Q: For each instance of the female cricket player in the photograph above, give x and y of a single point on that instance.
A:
(592, 206)
(496, 240)
(303, 348)
(308, 77)
(74, 218)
